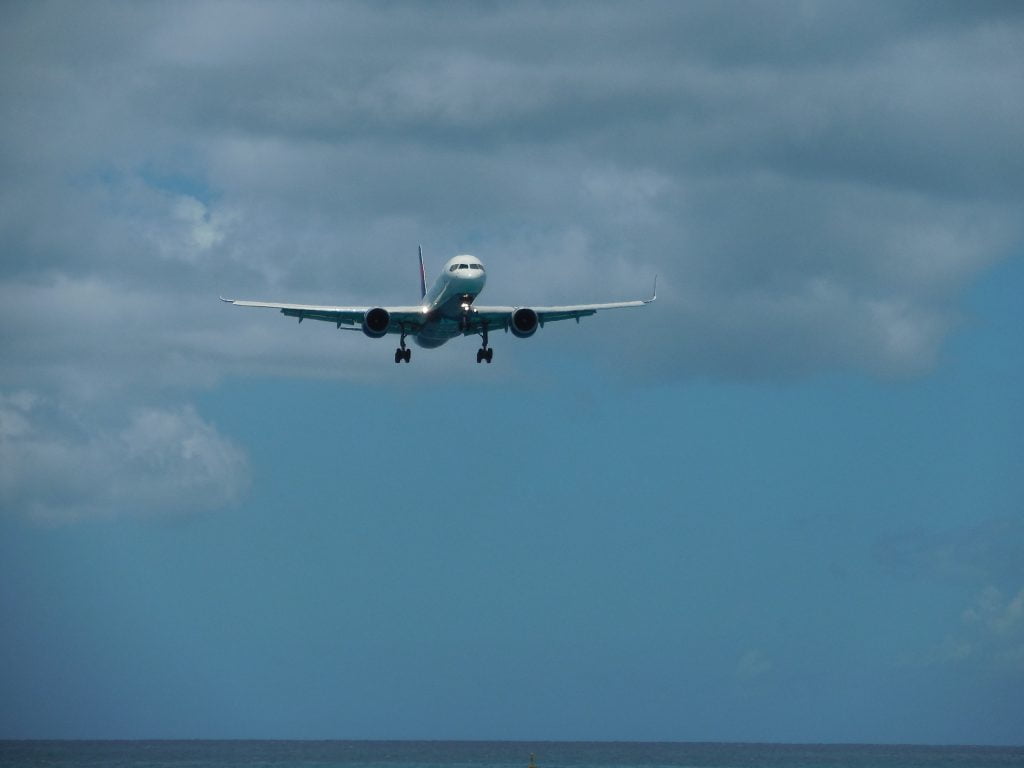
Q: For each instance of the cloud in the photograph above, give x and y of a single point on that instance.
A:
(58, 467)
(753, 664)
(996, 614)
(988, 552)
(815, 185)
(813, 180)
(986, 560)
(201, 230)
(989, 637)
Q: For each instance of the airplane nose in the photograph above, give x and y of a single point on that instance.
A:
(475, 278)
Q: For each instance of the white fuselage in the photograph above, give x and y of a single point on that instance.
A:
(449, 299)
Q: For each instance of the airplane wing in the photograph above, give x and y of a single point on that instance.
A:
(501, 317)
(409, 317)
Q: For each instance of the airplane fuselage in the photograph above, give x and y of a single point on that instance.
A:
(449, 299)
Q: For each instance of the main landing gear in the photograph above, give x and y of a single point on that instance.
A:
(485, 352)
(403, 353)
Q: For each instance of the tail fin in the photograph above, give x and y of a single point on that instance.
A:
(423, 276)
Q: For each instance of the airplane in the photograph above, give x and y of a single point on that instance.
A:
(445, 311)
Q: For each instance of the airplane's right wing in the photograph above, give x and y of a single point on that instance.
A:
(397, 318)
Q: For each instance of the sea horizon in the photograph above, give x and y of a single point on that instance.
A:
(446, 740)
(435, 753)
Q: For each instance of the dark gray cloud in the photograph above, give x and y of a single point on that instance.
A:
(815, 184)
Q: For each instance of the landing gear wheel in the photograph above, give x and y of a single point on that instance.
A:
(485, 352)
(403, 352)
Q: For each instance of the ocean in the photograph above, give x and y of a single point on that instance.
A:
(501, 754)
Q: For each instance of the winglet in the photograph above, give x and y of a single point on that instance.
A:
(654, 295)
(228, 301)
(423, 275)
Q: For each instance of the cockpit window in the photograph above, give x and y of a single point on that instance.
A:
(475, 266)
(453, 267)
(463, 266)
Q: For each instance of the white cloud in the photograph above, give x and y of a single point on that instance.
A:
(987, 552)
(994, 624)
(14, 409)
(989, 637)
(993, 612)
(202, 229)
(59, 465)
(752, 665)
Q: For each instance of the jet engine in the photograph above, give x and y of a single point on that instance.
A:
(375, 322)
(524, 323)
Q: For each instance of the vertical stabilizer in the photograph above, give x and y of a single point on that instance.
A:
(423, 276)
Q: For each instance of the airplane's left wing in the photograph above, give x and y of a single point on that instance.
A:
(409, 318)
(525, 320)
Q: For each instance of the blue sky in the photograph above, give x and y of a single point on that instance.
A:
(784, 503)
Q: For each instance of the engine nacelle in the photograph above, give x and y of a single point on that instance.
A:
(524, 323)
(376, 322)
